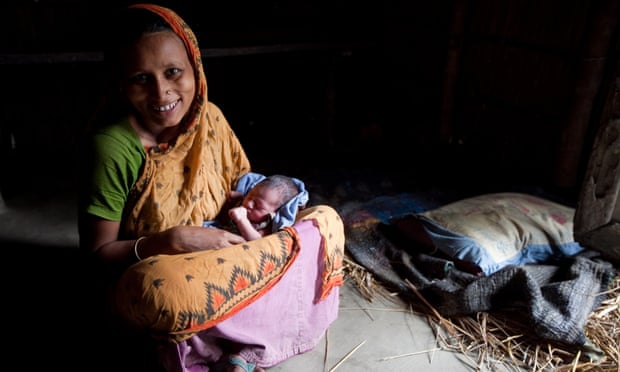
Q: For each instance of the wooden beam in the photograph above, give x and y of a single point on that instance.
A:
(85, 57)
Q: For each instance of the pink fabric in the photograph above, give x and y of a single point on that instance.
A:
(286, 321)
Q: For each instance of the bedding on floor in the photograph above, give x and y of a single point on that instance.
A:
(553, 296)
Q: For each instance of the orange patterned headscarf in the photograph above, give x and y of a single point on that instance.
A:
(186, 182)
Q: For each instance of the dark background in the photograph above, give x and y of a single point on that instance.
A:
(470, 93)
(475, 95)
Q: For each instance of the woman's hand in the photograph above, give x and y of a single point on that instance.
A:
(183, 239)
(101, 238)
(234, 196)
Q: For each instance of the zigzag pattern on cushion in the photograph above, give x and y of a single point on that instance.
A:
(221, 299)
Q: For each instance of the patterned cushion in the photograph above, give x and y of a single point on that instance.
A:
(496, 230)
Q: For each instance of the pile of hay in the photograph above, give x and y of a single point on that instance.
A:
(491, 340)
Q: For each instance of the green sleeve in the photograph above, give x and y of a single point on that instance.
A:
(116, 157)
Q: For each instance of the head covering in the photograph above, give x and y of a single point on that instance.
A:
(185, 182)
(190, 41)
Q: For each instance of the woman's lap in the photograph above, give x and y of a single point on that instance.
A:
(286, 321)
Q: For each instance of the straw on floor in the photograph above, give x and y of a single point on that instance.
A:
(487, 340)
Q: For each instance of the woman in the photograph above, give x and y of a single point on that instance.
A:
(160, 162)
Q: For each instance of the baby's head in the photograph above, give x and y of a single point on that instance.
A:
(268, 195)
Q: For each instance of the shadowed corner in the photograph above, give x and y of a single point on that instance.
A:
(54, 310)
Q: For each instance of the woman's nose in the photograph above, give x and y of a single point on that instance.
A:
(162, 88)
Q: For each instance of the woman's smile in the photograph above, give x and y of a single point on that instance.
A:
(167, 107)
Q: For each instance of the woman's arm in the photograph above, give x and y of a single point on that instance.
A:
(100, 237)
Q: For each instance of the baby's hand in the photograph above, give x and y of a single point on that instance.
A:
(238, 214)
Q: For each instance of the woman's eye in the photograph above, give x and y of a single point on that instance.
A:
(139, 79)
(174, 71)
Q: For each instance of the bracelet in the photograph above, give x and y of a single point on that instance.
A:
(135, 247)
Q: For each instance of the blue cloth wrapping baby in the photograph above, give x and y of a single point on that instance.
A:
(285, 216)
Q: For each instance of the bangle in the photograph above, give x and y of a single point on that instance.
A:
(135, 247)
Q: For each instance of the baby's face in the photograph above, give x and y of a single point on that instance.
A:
(260, 202)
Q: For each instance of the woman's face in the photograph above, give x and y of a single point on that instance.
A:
(159, 81)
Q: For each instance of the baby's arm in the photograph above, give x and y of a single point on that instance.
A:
(239, 215)
(233, 199)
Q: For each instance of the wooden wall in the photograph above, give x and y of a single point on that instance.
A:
(462, 91)
(525, 79)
